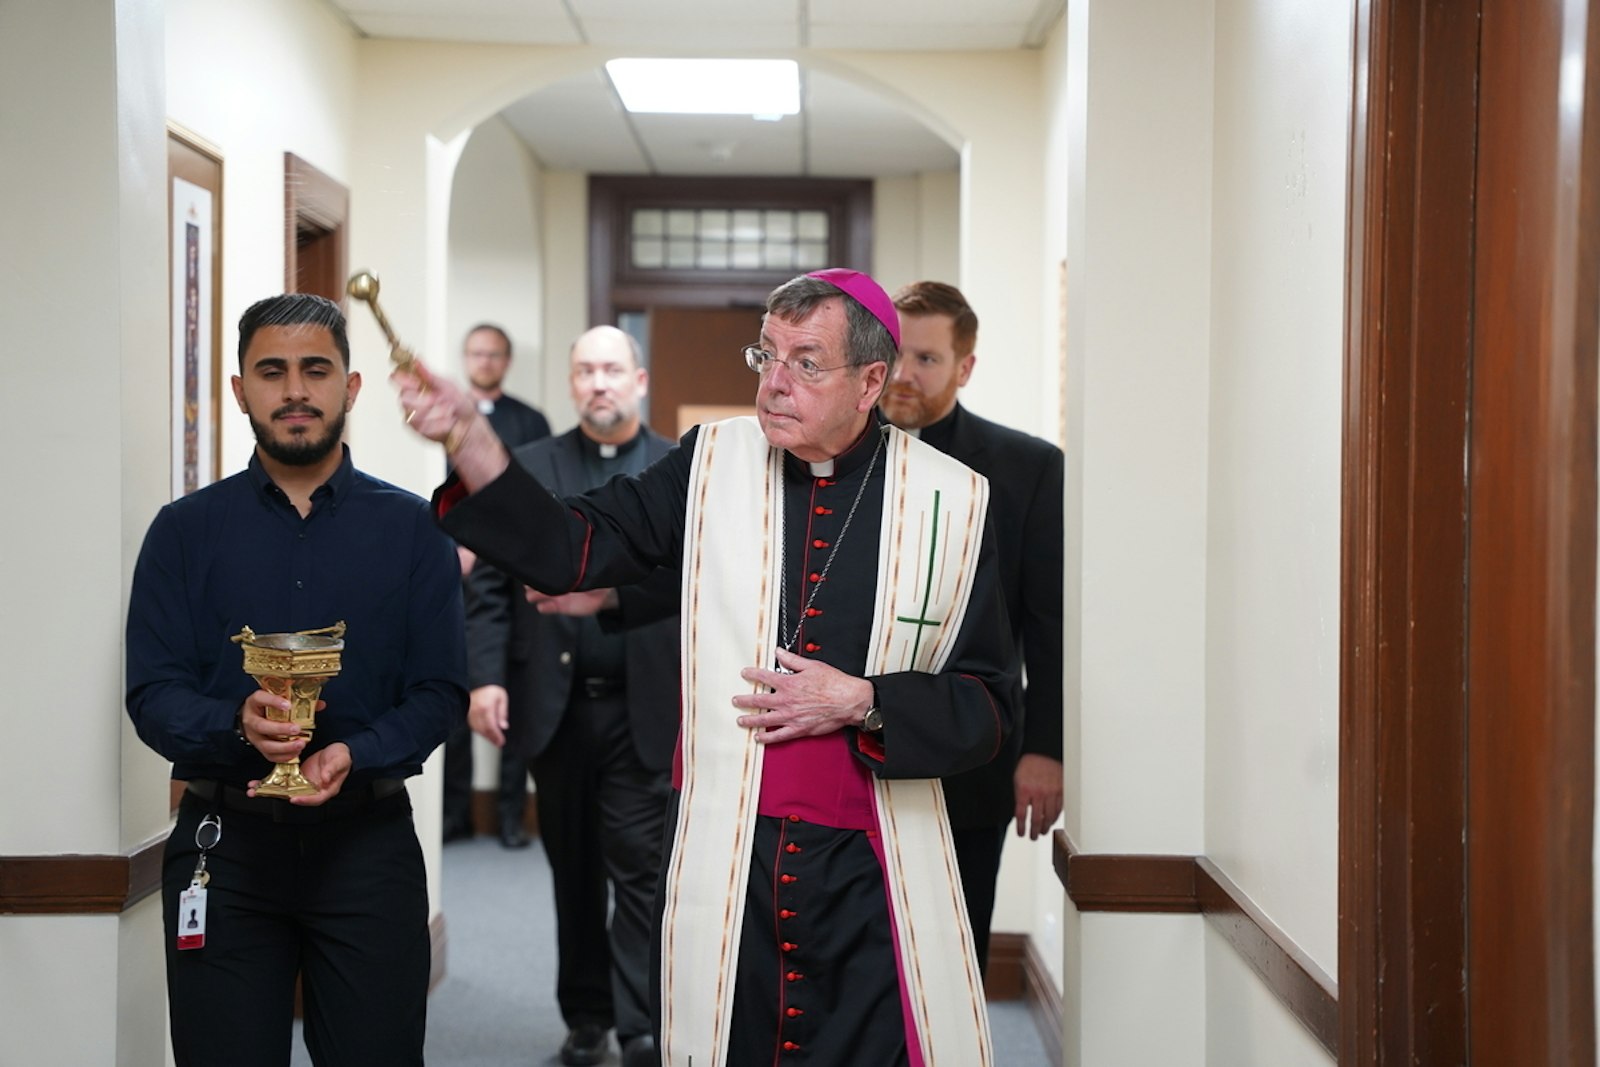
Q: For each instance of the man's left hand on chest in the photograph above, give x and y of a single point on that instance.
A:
(805, 698)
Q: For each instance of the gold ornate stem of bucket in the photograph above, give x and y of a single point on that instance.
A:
(293, 666)
(363, 286)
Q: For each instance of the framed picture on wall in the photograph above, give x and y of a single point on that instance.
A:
(194, 201)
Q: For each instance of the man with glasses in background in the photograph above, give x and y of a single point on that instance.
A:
(486, 357)
(844, 645)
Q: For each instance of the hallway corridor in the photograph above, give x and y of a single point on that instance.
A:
(496, 1005)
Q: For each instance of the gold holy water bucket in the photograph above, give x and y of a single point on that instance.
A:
(294, 666)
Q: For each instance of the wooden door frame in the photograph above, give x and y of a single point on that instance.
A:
(315, 200)
(614, 286)
(1468, 555)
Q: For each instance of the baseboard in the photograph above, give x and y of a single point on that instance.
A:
(1018, 972)
(486, 813)
(1007, 956)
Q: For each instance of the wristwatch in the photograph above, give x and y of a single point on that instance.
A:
(872, 721)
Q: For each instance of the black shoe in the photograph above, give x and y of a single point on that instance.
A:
(457, 832)
(640, 1052)
(585, 1045)
(513, 837)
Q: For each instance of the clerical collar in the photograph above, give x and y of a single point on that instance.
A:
(606, 450)
(485, 406)
(842, 465)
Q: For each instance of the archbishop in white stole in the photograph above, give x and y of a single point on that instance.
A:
(931, 532)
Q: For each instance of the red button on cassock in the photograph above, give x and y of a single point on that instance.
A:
(794, 976)
(819, 543)
(791, 848)
(789, 946)
(787, 878)
(790, 1046)
(794, 1013)
(812, 646)
(786, 914)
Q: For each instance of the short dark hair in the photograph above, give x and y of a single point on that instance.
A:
(294, 309)
(866, 339)
(937, 298)
(492, 328)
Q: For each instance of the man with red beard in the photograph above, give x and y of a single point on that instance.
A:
(589, 704)
(938, 335)
(330, 885)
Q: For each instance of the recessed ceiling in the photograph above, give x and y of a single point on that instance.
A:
(842, 130)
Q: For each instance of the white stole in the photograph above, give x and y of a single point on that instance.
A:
(932, 529)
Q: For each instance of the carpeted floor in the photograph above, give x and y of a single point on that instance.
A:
(496, 1005)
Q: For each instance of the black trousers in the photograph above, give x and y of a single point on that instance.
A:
(978, 858)
(601, 816)
(342, 901)
(511, 795)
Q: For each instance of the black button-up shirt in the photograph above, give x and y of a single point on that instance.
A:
(238, 554)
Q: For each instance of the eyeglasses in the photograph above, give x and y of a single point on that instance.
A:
(805, 369)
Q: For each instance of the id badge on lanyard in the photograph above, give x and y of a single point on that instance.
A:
(192, 900)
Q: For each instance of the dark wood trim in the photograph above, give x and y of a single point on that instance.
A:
(1531, 646)
(199, 162)
(615, 287)
(80, 884)
(485, 813)
(1044, 1002)
(1004, 978)
(316, 213)
(1292, 976)
(1125, 882)
(1143, 883)
(1403, 680)
(1018, 972)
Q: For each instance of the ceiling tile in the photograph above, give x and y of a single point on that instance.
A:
(478, 30)
(912, 13)
(918, 37)
(721, 144)
(651, 38)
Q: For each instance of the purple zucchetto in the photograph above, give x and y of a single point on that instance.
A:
(866, 292)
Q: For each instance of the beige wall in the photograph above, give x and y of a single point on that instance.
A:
(1201, 218)
(257, 79)
(496, 272)
(1272, 620)
(1204, 172)
(916, 223)
(83, 301)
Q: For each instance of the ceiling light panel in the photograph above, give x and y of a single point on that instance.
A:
(707, 86)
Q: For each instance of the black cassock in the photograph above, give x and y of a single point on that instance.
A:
(819, 984)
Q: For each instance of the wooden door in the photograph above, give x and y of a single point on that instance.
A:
(695, 363)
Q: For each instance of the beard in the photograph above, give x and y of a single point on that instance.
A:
(301, 449)
(912, 409)
(603, 420)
